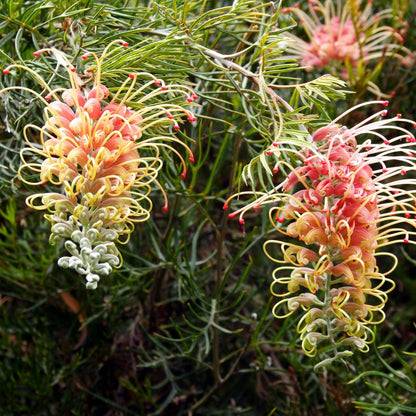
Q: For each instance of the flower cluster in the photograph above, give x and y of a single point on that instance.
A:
(336, 209)
(99, 152)
(342, 37)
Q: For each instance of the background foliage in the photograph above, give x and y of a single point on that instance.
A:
(185, 326)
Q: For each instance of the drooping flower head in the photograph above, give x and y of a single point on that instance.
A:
(103, 156)
(344, 35)
(352, 193)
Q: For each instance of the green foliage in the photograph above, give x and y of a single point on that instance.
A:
(393, 390)
(185, 326)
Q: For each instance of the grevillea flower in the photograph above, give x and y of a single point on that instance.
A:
(103, 157)
(343, 36)
(336, 209)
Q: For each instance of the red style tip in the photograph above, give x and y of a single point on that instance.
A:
(275, 169)
(191, 119)
(194, 96)
(280, 219)
(183, 175)
(286, 10)
(241, 221)
(256, 207)
(73, 69)
(84, 56)
(225, 207)
(189, 99)
(176, 127)
(43, 183)
(403, 172)
(269, 152)
(6, 71)
(385, 103)
(47, 97)
(157, 81)
(384, 113)
(385, 170)
(405, 240)
(131, 76)
(367, 147)
(275, 144)
(170, 116)
(407, 215)
(191, 159)
(399, 116)
(231, 216)
(163, 87)
(165, 208)
(37, 53)
(125, 44)
(297, 5)
(386, 142)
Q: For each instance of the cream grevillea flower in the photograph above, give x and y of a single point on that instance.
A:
(344, 35)
(103, 157)
(336, 209)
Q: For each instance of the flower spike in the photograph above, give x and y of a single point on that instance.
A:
(345, 35)
(334, 211)
(104, 158)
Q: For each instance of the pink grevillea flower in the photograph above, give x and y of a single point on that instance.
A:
(343, 36)
(351, 192)
(104, 158)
